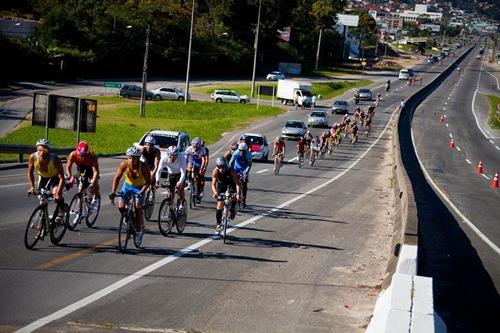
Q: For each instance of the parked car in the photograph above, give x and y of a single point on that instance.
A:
(340, 107)
(165, 139)
(318, 119)
(257, 145)
(293, 129)
(404, 74)
(169, 93)
(229, 96)
(364, 94)
(275, 76)
(133, 91)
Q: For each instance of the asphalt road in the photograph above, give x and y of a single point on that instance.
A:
(459, 235)
(298, 259)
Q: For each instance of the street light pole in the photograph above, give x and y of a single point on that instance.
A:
(144, 76)
(318, 50)
(256, 42)
(189, 55)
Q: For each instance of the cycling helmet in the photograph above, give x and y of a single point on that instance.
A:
(242, 146)
(308, 132)
(221, 162)
(172, 151)
(242, 138)
(278, 138)
(82, 148)
(234, 146)
(133, 152)
(149, 139)
(43, 142)
(196, 142)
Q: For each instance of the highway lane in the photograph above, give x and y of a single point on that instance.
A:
(459, 240)
(282, 251)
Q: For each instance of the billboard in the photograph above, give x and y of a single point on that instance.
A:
(348, 20)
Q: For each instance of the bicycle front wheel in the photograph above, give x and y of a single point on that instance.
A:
(58, 229)
(35, 227)
(194, 194)
(181, 221)
(92, 212)
(75, 211)
(150, 204)
(124, 231)
(165, 218)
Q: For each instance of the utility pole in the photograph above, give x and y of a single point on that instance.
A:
(318, 50)
(189, 55)
(256, 42)
(145, 76)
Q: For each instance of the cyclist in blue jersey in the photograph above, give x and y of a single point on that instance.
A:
(241, 162)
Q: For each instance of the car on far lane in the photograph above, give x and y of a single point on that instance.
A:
(275, 76)
(229, 96)
(318, 119)
(257, 145)
(133, 91)
(293, 129)
(364, 94)
(165, 139)
(339, 106)
(169, 93)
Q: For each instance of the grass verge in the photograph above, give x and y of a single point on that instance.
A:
(119, 124)
(325, 89)
(494, 116)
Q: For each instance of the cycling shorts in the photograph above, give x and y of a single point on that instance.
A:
(133, 190)
(48, 182)
(172, 180)
(221, 189)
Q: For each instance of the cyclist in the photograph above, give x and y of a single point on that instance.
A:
(458, 70)
(301, 146)
(388, 85)
(241, 162)
(175, 165)
(137, 181)
(228, 154)
(50, 174)
(195, 163)
(222, 178)
(307, 140)
(87, 166)
(315, 148)
(278, 151)
(151, 155)
(203, 170)
(354, 132)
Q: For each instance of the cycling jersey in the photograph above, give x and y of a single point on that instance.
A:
(177, 167)
(279, 146)
(134, 178)
(51, 167)
(300, 146)
(193, 157)
(241, 162)
(149, 156)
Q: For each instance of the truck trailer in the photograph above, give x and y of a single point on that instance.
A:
(291, 91)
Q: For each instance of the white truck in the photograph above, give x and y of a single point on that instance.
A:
(294, 92)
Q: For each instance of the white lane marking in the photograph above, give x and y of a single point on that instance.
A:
(262, 171)
(485, 176)
(451, 135)
(444, 108)
(448, 201)
(24, 184)
(445, 103)
(493, 142)
(458, 148)
(498, 85)
(446, 125)
(467, 160)
(497, 147)
(162, 262)
(292, 159)
(474, 100)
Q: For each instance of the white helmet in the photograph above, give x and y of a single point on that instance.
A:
(242, 146)
(43, 142)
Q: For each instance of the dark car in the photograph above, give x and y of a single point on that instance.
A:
(133, 91)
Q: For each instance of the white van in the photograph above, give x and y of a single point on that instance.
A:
(404, 74)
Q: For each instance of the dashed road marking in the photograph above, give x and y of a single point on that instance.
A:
(262, 171)
(467, 160)
(458, 148)
(493, 142)
(451, 135)
(485, 176)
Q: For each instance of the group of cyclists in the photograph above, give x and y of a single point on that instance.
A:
(145, 166)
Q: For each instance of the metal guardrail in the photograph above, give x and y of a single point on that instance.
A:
(8, 148)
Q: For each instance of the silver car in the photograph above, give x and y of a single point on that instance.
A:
(340, 107)
(318, 119)
(293, 129)
(364, 94)
(229, 96)
(169, 93)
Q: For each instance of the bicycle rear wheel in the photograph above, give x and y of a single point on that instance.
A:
(92, 212)
(75, 211)
(194, 194)
(165, 218)
(34, 228)
(58, 229)
(181, 221)
(150, 204)
(124, 231)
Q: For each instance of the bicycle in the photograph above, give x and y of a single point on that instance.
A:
(149, 202)
(313, 156)
(127, 227)
(228, 197)
(81, 205)
(300, 159)
(170, 214)
(193, 189)
(242, 203)
(42, 224)
(278, 163)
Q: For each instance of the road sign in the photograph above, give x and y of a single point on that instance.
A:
(112, 85)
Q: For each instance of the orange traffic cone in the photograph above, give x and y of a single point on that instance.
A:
(479, 168)
(441, 120)
(452, 144)
(494, 182)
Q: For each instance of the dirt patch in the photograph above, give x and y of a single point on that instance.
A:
(403, 61)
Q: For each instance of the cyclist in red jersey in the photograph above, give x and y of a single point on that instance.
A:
(87, 166)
